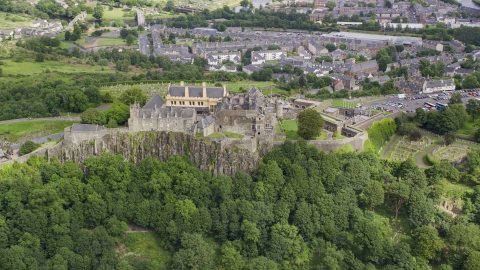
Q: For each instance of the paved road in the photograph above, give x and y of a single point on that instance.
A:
(59, 118)
(422, 154)
(143, 44)
(390, 146)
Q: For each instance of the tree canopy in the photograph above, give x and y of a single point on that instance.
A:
(310, 124)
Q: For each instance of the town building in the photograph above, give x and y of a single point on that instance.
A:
(369, 66)
(438, 85)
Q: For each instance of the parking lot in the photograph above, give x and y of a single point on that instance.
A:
(410, 103)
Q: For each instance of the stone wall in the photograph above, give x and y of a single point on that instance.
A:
(330, 126)
(47, 153)
(369, 122)
(357, 142)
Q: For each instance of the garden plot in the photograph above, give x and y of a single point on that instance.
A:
(453, 153)
(407, 149)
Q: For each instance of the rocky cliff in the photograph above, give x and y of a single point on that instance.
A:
(205, 154)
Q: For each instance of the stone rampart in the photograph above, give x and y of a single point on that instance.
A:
(330, 145)
(369, 122)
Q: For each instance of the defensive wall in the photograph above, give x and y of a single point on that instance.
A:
(357, 142)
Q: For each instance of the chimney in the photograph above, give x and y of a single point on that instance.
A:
(181, 83)
(224, 90)
(186, 92)
(204, 86)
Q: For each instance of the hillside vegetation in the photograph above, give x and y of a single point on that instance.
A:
(301, 209)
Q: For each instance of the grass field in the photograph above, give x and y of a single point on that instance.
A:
(116, 13)
(291, 128)
(111, 42)
(468, 130)
(147, 245)
(225, 134)
(14, 131)
(344, 104)
(233, 135)
(10, 21)
(246, 85)
(28, 68)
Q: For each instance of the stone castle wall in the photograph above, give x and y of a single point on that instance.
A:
(357, 142)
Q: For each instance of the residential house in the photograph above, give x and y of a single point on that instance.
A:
(222, 68)
(338, 85)
(39, 24)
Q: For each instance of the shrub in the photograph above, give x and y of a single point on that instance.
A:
(28, 147)
(416, 135)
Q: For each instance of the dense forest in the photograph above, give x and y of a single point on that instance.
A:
(302, 208)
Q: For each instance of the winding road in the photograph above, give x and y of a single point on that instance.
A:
(58, 118)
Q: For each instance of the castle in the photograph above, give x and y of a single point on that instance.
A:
(249, 114)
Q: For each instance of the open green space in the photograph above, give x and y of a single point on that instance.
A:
(244, 86)
(344, 104)
(28, 68)
(233, 135)
(10, 21)
(216, 135)
(14, 131)
(115, 13)
(147, 245)
(225, 134)
(468, 130)
(110, 42)
(291, 128)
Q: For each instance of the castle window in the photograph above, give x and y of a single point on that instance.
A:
(253, 126)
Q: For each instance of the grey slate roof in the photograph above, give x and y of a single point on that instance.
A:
(205, 122)
(167, 112)
(364, 66)
(195, 91)
(155, 102)
(86, 127)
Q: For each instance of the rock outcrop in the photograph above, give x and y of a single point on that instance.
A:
(205, 154)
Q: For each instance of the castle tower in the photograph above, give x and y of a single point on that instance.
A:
(134, 110)
(279, 108)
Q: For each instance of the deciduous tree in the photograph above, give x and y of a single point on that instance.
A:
(310, 124)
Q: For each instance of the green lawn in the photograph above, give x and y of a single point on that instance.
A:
(14, 131)
(111, 42)
(233, 135)
(246, 85)
(28, 68)
(147, 245)
(216, 135)
(468, 130)
(345, 104)
(114, 14)
(65, 45)
(225, 134)
(11, 21)
(271, 61)
(81, 41)
(291, 128)
(278, 128)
